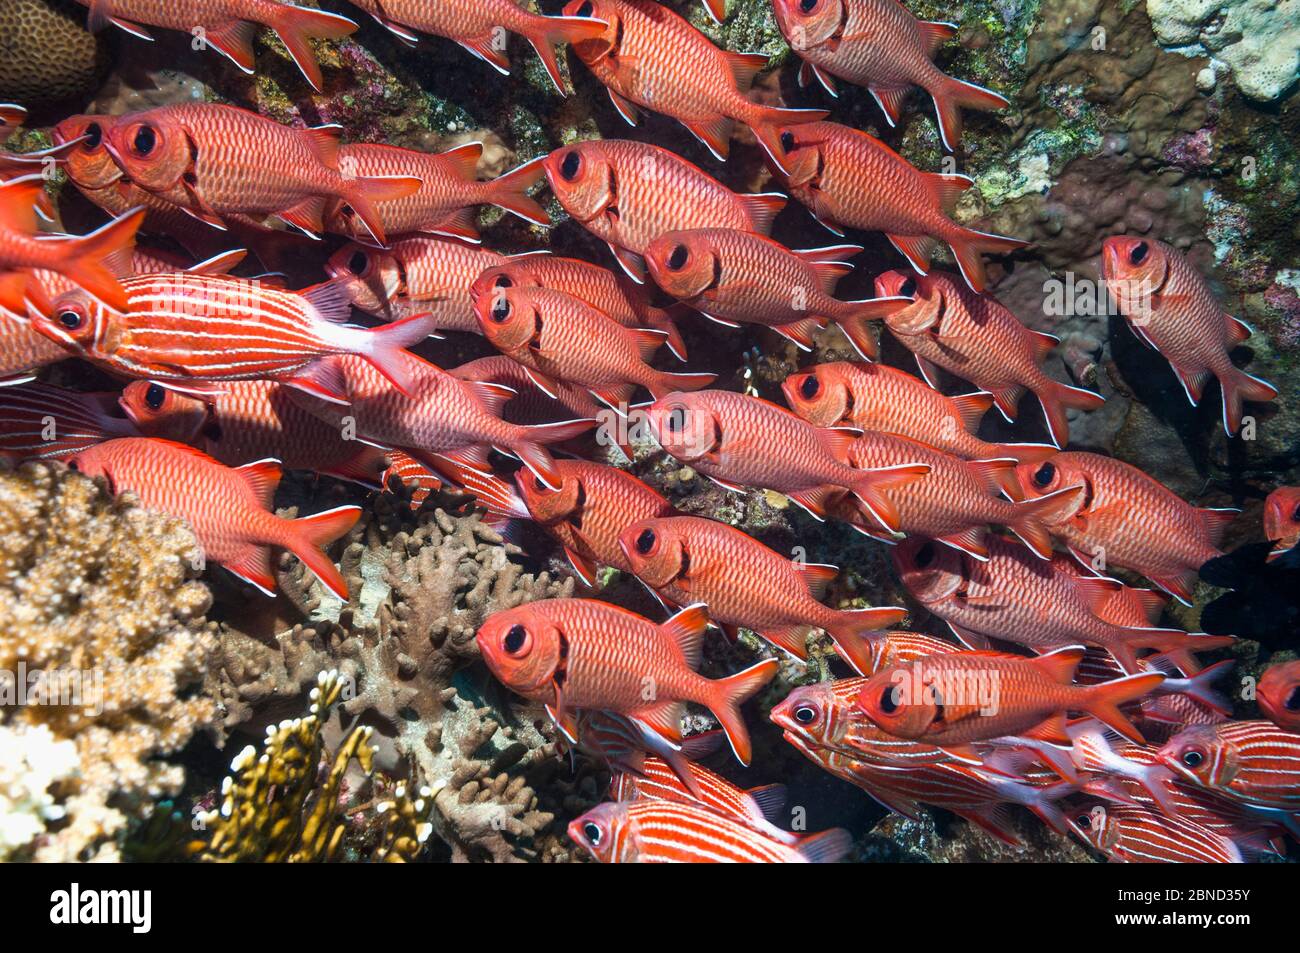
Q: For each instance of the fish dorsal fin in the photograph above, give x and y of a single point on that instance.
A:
(491, 395)
(1216, 521)
(324, 142)
(762, 209)
(972, 408)
(463, 160)
(744, 67)
(330, 300)
(262, 477)
(1060, 665)
(648, 341)
(685, 630)
(1096, 591)
(816, 576)
(934, 34)
(769, 800)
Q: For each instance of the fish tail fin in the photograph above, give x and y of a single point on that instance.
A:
(510, 192)
(733, 691)
(1200, 687)
(771, 121)
(856, 635)
(387, 347)
(1238, 387)
(969, 247)
(1056, 398)
(857, 325)
(363, 192)
(872, 485)
(826, 847)
(90, 259)
(1176, 645)
(533, 452)
(1103, 701)
(309, 535)
(951, 97)
(552, 31)
(296, 26)
(1034, 519)
(666, 383)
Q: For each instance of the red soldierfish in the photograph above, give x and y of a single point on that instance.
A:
(229, 509)
(883, 398)
(1278, 695)
(629, 193)
(531, 404)
(880, 45)
(228, 26)
(193, 328)
(1130, 520)
(1282, 520)
(43, 422)
(1169, 305)
(572, 654)
(588, 510)
(732, 276)
(847, 178)
(480, 27)
(622, 299)
(979, 340)
(1252, 762)
(688, 559)
(446, 202)
(651, 57)
(1044, 605)
(559, 338)
(416, 275)
(972, 696)
(216, 161)
(663, 832)
(737, 441)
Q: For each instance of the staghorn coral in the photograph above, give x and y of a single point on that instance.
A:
(97, 597)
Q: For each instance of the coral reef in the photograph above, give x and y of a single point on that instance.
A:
(1258, 40)
(46, 54)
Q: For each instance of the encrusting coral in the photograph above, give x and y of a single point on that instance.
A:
(101, 636)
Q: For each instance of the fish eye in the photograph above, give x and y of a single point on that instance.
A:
(1295, 514)
(1084, 821)
(570, 166)
(925, 555)
(1193, 758)
(1292, 702)
(809, 387)
(908, 289)
(145, 140)
(1139, 253)
(585, 10)
(677, 260)
(73, 466)
(645, 542)
(787, 141)
(153, 396)
(358, 262)
(589, 830)
(807, 6)
(677, 420)
(1045, 474)
(889, 701)
(805, 714)
(515, 639)
(94, 135)
(70, 320)
(500, 310)
(538, 485)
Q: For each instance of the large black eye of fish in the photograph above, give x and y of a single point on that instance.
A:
(514, 640)
(1292, 701)
(500, 310)
(1139, 253)
(645, 542)
(1193, 759)
(1084, 821)
(1295, 515)
(569, 167)
(70, 320)
(357, 263)
(787, 141)
(908, 289)
(677, 260)
(94, 135)
(805, 714)
(589, 830)
(586, 9)
(809, 387)
(1045, 474)
(925, 555)
(153, 396)
(888, 703)
(677, 421)
(145, 140)
(807, 6)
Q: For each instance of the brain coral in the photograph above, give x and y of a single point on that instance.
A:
(99, 604)
(46, 55)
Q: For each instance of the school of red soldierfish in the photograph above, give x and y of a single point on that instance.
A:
(1101, 722)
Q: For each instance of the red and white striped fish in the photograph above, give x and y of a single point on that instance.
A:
(23, 350)
(1135, 835)
(43, 422)
(662, 832)
(190, 328)
(623, 744)
(1255, 762)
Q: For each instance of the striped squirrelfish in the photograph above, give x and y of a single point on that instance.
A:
(1254, 762)
(735, 277)
(664, 832)
(446, 202)
(1041, 604)
(1130, 520)
(478, 25)
(738, 441)
(588, 509)
(1278, 694)
(572, 654)
(689, 559)
(229, 509)
(880, 45)
(1134, 834)
(614, 294)
(1282, 520)
(883, 398)
(629, 193)
(559, 338)
(415, 275)
(649, 56)
(979, 340)
(1170, 307)
(956, 501)
(216, 161)
(228, 26)
(188, 328)
(23, 350)
(624, 745)
(847, 178)
(43, 422)
(973, 696)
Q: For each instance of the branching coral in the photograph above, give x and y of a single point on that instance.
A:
(101, 626)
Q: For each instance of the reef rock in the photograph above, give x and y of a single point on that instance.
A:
(1258, 40)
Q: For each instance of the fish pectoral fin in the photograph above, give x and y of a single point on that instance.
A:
(632, 263)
